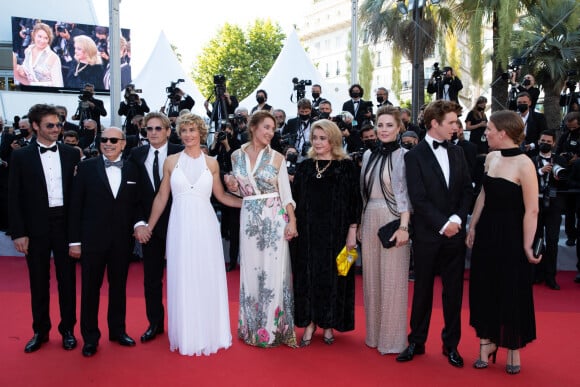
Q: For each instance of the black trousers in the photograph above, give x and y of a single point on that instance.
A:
(153, 265)
(116, 263)
(549, 220)
(447, 257)
(231, 228)
(38, 261)
(570, 212)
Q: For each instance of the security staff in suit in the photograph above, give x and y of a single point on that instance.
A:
(40, 182)
(441, 195)
(103, 211)
(362, 112)
(534, 123)
(149, 160)
(551, 172)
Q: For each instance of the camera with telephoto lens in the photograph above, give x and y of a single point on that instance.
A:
(288, 139)
(437, 73)
(291, 160)
(222, 135)
(20, 137)
(102, 46)
(171, 90)
(339, 121)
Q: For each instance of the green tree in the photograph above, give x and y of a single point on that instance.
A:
(501, 15)
(243, 57)
(382, 20)
(550, 36)
(366, 69)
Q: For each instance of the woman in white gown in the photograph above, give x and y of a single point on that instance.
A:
(197, 296)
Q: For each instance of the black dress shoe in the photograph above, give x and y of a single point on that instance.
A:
(123, 339)
(552, 284)
(232, 266)
(68, 340)
(577, 279)
(35, 343)
(89, 349)
(453, 356)
(409, 352)
(570, 242)
(151, 332)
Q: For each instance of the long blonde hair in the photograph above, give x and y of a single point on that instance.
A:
(334, 138)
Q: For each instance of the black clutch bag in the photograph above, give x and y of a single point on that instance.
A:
(386, 232)
(538, 247)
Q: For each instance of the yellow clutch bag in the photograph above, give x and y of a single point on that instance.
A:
(345, 259)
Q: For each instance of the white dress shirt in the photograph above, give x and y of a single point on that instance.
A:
(52, 175)
(162, 155)
(114, 177)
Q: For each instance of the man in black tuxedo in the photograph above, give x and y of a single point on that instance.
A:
(103, 211)
(535, 123)
(441, 194)
(362, 111)
(40, 182)
(551, 172)
(149, 160)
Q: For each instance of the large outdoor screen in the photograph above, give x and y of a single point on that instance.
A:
(51, 55)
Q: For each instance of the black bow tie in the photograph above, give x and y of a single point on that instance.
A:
(436, 144)
(45, 149)
(548, 159)
(109, 163)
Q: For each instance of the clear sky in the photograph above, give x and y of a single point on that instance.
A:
(190, 25)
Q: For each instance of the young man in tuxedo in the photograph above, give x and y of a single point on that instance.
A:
(103, 211)
(362, 111)
(440, 191)
(40, 182)
(149, 160)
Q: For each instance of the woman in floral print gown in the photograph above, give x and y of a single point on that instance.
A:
(267, 223)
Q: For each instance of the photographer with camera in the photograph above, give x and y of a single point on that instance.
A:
(297, 131)
(568, 147)
(444, 83)
(131, 107)
(224, 144)
(177, 99)
(528, 85)
(90, 107)
(224, 104)
(552, 171)
(570, 100)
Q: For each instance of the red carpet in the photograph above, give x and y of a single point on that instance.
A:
(550, 360)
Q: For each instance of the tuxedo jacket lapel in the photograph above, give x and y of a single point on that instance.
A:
(432, 161)
(103, 175)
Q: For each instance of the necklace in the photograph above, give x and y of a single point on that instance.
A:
(510, 152)
(319, 172)
(77, 71)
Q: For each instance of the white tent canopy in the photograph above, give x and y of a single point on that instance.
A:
(161, 69)
(293, 62)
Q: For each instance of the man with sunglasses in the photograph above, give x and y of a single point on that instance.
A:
(40, 184)
(149, 161)
(103, 210)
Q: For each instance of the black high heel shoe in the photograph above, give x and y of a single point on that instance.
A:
(512, 369)
(480, 364)
(328, 340)
(304, 342)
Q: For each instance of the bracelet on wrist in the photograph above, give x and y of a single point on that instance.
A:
(404, 228)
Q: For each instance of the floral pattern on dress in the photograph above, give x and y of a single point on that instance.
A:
(253, 330)
(266, 230)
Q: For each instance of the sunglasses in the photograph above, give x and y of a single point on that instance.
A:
(156, 128)
(50, 125)
(113, 140)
